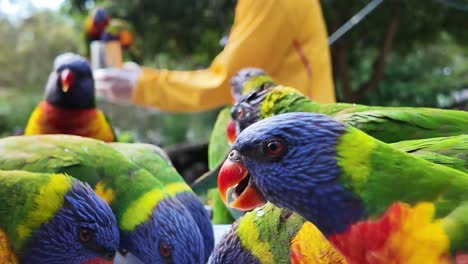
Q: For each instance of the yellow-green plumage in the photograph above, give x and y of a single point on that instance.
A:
(154, 160)
(33, 197)
(270, 234)
(133, 193)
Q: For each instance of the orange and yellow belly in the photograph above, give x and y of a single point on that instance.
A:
(6, 254)
(403, 235)
(49, 119)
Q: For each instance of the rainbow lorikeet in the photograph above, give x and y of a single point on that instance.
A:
(389, 124)
(154, 160)
(96, 23)
(449, 151)
(53, 218)
(376, 204)
(69, 106)
(120, 30)
(269, 234)
(154, 226)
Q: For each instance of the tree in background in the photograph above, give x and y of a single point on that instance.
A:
(402, 49)
(179, 34)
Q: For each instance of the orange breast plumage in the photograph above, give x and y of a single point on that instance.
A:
(50, 119)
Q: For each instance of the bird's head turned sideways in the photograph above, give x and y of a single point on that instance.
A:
(84, 230)
(71, 83)
(169, 235)
(245, 112)
(288, 159)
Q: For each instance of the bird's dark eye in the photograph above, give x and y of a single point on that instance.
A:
(165, 250)
(85, 235)
(273, 147)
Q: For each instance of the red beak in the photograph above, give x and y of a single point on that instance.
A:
(231, 131)
(67, 78)
(232, 184)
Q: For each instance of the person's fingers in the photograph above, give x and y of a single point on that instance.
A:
(131, 66)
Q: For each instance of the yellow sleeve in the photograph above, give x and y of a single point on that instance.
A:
(262, 36)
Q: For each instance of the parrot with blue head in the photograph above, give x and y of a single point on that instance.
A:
(53, 218)
(154, 226)
(96, 23)
(69, 106)
(374, 202)
(154, 160)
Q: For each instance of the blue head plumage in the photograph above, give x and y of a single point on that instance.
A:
(201, 217)
(292, 162)
(83, 229)
(71, 83)
(100, 16)
(170, 235)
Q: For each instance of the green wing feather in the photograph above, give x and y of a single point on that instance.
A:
(24, 188)
(151, 158)
(219, 145)
(448, 151)
(389, 124)
(87, 159)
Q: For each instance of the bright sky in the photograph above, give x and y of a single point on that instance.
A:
(18, 8)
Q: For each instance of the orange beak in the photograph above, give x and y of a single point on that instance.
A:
(231, 131)
(235, 186)
(67, 79)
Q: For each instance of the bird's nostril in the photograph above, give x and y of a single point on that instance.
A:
(109, 255)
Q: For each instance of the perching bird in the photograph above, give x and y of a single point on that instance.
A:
(120, 30)
(372, 201)
(155, 161)
(274, 235)
(96, 23)
(53, 218)
(69, 106)
(389, 124)
(154, 226)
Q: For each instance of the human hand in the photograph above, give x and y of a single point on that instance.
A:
(117, 85)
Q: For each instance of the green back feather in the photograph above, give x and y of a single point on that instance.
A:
(389, 124)
(269, 229)
(89, 160)
(29, 200)
(154, 160)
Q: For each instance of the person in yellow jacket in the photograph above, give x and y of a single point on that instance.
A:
(286, 38)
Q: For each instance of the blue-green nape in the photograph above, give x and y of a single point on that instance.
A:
(161, 233)
(84, 228)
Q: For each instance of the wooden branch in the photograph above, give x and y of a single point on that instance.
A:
(379, 62)
(339, 53)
